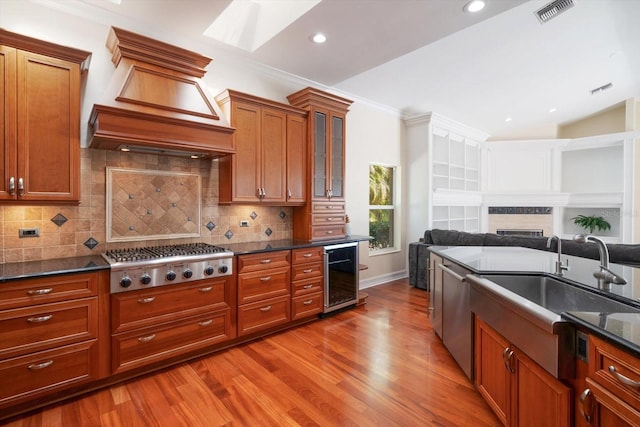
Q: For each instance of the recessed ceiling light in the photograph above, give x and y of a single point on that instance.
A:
(552, 110)
(474, 6)
(508, 119)
(319, 38)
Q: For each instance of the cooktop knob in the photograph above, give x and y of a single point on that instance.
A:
(145, 279)
(187, 273)
(171, 275)
(125, 282)
(223, 269)
(208, 270)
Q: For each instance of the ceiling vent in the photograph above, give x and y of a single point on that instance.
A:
(553, 9)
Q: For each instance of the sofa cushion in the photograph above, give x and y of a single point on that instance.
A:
(456, 238)
(624, 254)
(532, 242)
(427, 237)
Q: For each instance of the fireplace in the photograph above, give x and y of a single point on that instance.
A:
(521, 220)
(520, 232)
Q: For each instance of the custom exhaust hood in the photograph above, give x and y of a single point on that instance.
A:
(156, 102)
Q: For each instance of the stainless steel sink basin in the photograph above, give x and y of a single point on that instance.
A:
(558, 296)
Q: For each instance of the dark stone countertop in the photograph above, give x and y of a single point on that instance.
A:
(51, 267)
(286, 244)
(623, 329)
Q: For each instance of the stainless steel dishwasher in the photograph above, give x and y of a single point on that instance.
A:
(457, 319)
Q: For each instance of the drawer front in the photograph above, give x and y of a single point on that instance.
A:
(23, 378)
(306, 271)
(44, 326)
(263, 315)
(625, 367)
(138, 348)
(306, 305)
(328, 219)
(327, 232)
(307, 286)
(263, 261)
(260, 285)
(137, 309)
(327, 207)
(303, 256)
(22, 293)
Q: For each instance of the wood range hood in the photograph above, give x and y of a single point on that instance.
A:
(157, 103)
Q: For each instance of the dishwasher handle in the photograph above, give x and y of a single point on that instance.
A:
(452, 273)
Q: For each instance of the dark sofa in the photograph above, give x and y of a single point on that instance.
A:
(419, 254)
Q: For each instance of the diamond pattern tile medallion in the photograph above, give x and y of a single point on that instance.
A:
(253, 215)
(210, 226)
(228, 234)
(268, 232)
(282, 214)
(59, 220)
(91, 243)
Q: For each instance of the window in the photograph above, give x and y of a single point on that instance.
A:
(382, 207)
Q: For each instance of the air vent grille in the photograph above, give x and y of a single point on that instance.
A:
(553, 9)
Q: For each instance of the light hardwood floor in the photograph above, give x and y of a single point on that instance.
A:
(376, 365)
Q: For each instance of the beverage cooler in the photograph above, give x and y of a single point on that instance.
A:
(341, 276)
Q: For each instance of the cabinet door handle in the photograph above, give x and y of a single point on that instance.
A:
(265, 279)
(20, 186)
(507, 357)
(205, 322)
(12, 186)
(147, 338)
(289, 195)
(205, 289)
(265, 261)
(307, 302)
(42, 365)
(623, 379)
(265, 309)
(146, 300)
(43, 291)
(39, 319)
(586, 394)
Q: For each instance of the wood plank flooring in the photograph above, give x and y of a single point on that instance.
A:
(376, 365)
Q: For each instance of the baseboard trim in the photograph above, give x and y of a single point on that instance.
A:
(378, 280)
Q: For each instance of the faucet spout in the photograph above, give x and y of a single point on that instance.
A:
(604, 275)
(560, 267)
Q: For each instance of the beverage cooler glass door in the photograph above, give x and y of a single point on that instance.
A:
(341, 277)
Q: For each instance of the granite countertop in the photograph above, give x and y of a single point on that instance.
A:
(621, 328)
(51, 267)
(287, 244)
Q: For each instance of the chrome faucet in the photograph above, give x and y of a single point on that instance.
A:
(560, 267)
(605, 276)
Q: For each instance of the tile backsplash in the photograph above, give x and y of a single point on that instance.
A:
(67, 231)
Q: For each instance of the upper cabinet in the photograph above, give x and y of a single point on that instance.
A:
(40, 88)
(270, 144)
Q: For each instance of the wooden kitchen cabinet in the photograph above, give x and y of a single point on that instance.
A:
(40, 90)
(307, 282)
(53, 335)
(520, 392)
(270, 143)
(612, 393)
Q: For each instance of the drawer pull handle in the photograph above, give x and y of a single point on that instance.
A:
(329, 219)
(330, 232)
(308, 302)
(40, 291)
(146, 300)
(205, 322)
(147, 338)
(265, 279)
(265, 309)
(308, 270)
(265, 261)
(205, 289)
(307, 287)
(307, 255)
(37, 366)
(40, 319)
(623, 379)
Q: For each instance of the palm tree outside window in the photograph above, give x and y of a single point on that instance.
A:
(381, 207)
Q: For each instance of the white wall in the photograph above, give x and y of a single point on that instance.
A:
(373, 134)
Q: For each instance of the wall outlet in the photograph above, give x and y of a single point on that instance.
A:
(28, 232)
(244, 223)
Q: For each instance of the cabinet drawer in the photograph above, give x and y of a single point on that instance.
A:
(27, 376)
(327, 207)
(263, 261)
(21, 293)
(328, 219)
(327, 232)
(263, 315)
(307, 286)
(603, 356)
(260, 285)
(306, 305)
(29, 329)
(138, 348)
(137, 309)
(306, 271)
(302, 256)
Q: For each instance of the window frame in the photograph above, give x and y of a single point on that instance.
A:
(395, 187)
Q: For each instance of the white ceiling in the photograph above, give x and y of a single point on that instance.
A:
(416, 56)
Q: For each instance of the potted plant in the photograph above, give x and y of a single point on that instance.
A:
(591, 222)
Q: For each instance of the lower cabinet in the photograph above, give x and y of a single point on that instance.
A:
(520, 392)
(307, 282)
